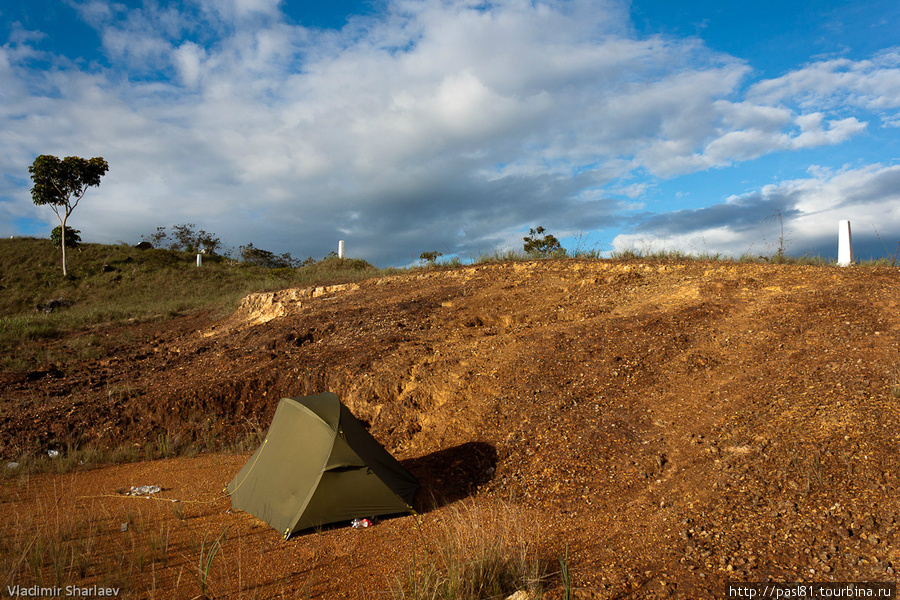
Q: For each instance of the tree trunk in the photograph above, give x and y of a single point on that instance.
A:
(62, 237)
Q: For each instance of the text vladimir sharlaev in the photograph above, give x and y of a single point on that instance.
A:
(73, 591)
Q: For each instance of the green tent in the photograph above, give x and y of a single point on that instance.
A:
(319, 465)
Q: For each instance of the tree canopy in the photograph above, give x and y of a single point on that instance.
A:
(185, 238)
(544, 246)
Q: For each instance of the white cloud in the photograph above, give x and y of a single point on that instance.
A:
(189, 58)
(437, 116)
(635, 190)
(873, 84)
(813, 134)
(95, 12)
(747, 115)
(746, 144)
(809, 210)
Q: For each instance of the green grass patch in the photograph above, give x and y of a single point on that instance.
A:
(119, 284)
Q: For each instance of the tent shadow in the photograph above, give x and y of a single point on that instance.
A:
(451, 474)
(446, 476)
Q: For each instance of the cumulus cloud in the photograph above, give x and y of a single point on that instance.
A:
(189, 59)
(446, 122)
(873, 84)
(804, 211)
(732, 145)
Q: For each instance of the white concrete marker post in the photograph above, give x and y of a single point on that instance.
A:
(199, 260)
(341, 249)
(845, 244)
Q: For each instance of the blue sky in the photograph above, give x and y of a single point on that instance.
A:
(404, 126)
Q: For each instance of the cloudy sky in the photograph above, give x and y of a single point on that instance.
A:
(404, 126)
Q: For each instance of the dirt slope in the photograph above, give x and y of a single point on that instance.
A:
(676, 425)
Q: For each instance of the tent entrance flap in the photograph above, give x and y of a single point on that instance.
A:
(319, 465)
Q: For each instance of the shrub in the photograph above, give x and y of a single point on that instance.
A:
(252, 255)
(185, 239)
(430, 257)
(72, 237)
(545, 246)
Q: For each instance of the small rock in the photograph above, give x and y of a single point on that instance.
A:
(53, 304)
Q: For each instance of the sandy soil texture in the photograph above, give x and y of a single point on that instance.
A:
(672, 426)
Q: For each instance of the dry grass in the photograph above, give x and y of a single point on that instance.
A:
(479, 552)
(141, 548)
(55, 546)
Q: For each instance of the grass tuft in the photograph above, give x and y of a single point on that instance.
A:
(478, 553)
(207, 553)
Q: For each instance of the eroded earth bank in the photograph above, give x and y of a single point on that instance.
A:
(670, 425)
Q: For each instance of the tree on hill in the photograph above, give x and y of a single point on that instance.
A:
(252, 255)
(61, 184)
(430, 257)
(185, 238)
(544, 246)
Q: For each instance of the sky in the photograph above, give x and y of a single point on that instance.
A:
(406, 126)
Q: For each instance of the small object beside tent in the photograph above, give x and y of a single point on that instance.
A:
(319, 465)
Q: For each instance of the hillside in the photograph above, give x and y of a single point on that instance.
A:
(670, 425)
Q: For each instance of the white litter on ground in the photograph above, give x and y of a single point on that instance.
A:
(143, 490)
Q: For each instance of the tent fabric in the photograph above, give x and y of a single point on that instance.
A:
(317, 465)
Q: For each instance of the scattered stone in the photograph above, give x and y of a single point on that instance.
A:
(54, 304)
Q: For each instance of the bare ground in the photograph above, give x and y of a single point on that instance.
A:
(672, 426)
